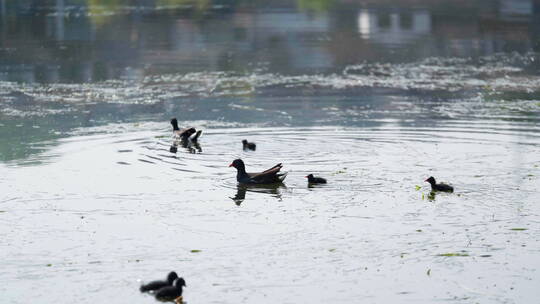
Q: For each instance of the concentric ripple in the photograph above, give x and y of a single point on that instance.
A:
(114, 202)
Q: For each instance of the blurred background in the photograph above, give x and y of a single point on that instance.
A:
(75, 41)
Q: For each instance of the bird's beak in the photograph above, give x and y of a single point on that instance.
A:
(305, 176)
(231, 165)
(425, 180)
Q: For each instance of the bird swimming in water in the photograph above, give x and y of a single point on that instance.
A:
(185, 133)
(439, 187)
(171, 293)
(158, 284)
(248, 145)
(315, 180)
(269, 176)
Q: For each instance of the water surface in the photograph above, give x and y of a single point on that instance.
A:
(374, 96)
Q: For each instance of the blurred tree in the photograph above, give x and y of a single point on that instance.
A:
(315, 5)
(100, 11)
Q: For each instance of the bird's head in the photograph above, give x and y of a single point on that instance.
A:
(172, 277)
(430, 180)
(180, 282)
(237, 163)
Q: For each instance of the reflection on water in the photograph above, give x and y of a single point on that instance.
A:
(66, 65)
(90, 41)
(372, 95)
(240, 195)
(189, 145)
(272, 189)
(389, 28)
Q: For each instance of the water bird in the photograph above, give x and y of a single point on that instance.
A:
(439, 187)
(171, 293)
(248, 145)
(269, 176)
(158, 284)
(185, 133)
(315, 180)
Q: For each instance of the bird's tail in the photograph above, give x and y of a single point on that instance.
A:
(282, 176)
(196, 136)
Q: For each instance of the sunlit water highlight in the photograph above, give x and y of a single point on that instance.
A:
(106, 210)
(493, 75)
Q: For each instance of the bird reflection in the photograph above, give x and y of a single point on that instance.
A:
(191, 146)
(240, 194)
(242, 189)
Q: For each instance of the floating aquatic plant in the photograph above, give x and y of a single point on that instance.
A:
(454, 254)
(338, 172)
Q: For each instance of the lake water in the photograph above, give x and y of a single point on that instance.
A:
(375, 96)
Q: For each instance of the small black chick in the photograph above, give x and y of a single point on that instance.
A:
(315, 180)
(249, 145)
(170, 293)
(155, 285)
(439, 187)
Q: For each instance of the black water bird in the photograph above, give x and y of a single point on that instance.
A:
(158, 284)
(185, 133)
(439, 187)
(171, 293)
(248, 145)
(269, 176)
(315, 180)
(195, 137)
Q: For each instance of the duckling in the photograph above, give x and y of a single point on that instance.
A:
(158, 284)
(248, 145)
(171, 293)
(315, 180)
(439, 187)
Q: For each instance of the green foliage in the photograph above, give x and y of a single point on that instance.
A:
(315, 5)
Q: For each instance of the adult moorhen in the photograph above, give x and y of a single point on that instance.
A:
(439, 187)
(171, 293)
(315, 180)
(158, 284)
(269, 176)
(248, 145)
